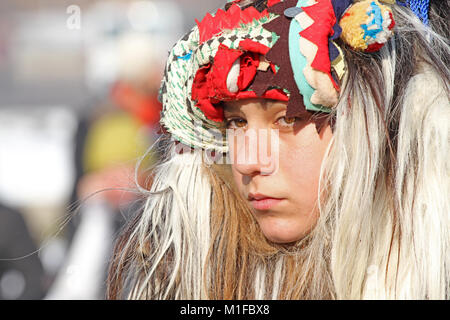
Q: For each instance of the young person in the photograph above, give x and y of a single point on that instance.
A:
(306, 148)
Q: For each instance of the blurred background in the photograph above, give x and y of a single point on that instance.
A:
(78, 108)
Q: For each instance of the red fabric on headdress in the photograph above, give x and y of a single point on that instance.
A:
(250, 45)
(249, 64)
(211, 111)
(217, 78)
(250, 61)
(275, 94)
(272, 2)
(225, 20)
(210, 82)
(200, 93)
(319, 32)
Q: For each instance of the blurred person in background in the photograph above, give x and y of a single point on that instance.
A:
(46, 66)
(21, 273)
(110, 141)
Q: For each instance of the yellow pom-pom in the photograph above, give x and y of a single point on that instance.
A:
(351, 21)
(366, 24)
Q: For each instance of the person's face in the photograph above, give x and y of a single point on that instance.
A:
(283, 193)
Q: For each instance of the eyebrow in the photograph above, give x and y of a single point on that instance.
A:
(230, 108)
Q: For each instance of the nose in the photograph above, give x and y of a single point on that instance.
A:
(254, 152)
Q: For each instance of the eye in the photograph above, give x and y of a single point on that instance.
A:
(235, 123)
(287, 122)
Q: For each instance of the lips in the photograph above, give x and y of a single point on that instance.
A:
(262, 202)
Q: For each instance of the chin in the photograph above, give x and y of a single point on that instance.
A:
(281, 236)
(280, 239)
(284, 230)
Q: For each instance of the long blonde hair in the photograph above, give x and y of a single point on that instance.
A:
(383, 230)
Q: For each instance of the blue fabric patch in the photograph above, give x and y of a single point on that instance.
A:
(298, 62)
(377, 21)
(292, 12)
(420, 9)
(186, 57)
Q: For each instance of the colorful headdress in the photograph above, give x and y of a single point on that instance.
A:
(286, 52)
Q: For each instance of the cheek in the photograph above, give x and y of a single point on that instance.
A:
(301, 173)
(236, 176)
(299, 170)
(300, 162)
